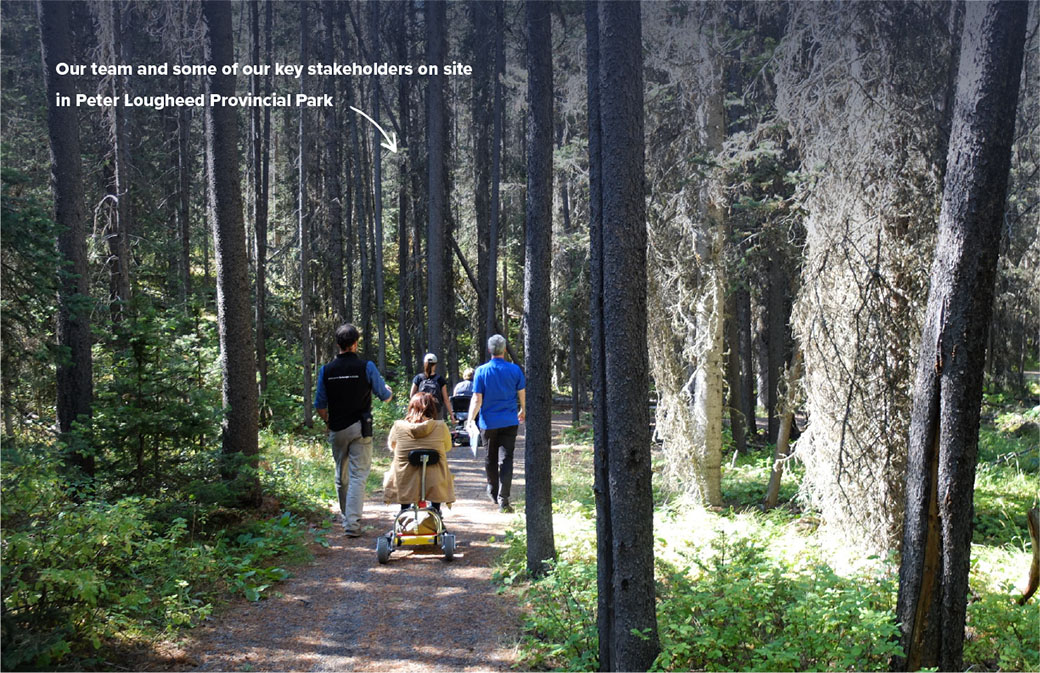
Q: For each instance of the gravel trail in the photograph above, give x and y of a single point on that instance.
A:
(346, 612)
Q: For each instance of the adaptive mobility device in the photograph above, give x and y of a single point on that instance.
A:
(419, 524)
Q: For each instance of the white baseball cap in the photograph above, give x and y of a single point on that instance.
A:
(430, 357)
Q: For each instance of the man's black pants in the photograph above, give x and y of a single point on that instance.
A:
(498, 464)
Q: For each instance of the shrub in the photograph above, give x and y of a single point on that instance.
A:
(79, 571)
(560, 631)
(740, 610)
(1002, 636)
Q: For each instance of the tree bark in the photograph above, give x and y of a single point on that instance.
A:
(118, 192)
(944, 425)
(777, 336)
(622, 239)
(75, 370)
(348, 207)
(737, 419)
(237, 361)
(303, 220)
(261, 132)
(333, 186)
(783, 440)
(436, 143)
(537, 290)
(496, 178)
(744, 345)
(483, 112)
(184, 193)
(377, 195)
(405, 279)
(361, 227)
(601, 474)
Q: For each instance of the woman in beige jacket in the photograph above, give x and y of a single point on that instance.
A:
(419, 430)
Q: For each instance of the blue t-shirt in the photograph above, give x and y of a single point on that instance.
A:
(499, 382)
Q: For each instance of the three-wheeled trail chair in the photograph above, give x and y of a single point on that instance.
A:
(420, 524)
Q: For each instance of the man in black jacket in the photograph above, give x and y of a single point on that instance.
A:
(344, 402)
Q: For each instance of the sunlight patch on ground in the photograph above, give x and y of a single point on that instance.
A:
(998, 568)
(686, 527)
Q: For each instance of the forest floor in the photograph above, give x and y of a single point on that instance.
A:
(343, 611)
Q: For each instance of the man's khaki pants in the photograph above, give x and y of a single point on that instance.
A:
(353, 456)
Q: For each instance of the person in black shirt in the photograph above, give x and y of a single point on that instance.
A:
(429, 381)
(344, 401)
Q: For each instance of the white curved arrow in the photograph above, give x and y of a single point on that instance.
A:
(391, 140)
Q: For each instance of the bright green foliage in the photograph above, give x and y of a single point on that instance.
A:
(744, 484)
(578, 434)
(280, 405)
(1006, 479)
(739, 609)
(385, 413)
(743, 590)
(79, 571)
(560, 632)
(76, 573)
(28, 275)
(298, 471)
(157, 410)
(1000, 635)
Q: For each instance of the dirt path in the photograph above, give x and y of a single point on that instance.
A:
(346, 612)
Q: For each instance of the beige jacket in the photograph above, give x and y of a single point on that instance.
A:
(401, 484)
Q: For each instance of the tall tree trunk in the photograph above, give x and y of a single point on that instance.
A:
(237, 361)
(629, 627)
(744, 345)
(420, 222)
(737, 419)
(778, 328)
(119, 234)
(261, 132)
(537, 290)
(482, 103)
(572, 304)
(184, 192)
(404, 280)
(783, 440)
(75, 370)
(436, 143)
(363, 236)
(944, 426)
(347, 260)
(333, 166)
(361, 227)
(377, 193)
(303, 219)
(496, 179)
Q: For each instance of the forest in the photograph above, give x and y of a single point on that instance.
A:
(773, 266)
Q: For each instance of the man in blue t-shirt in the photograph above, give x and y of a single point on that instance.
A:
(497, 385)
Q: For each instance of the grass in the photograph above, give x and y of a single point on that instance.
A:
(746, 589)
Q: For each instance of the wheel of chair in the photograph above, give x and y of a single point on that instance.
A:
(448, 546)
(382, 549)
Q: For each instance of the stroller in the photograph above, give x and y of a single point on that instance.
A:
(459, 416)
(420, 524)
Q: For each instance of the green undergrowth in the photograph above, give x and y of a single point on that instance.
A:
(85, 576)
(747, 589)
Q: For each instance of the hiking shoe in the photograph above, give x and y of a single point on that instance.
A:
(351, 533)
(491, 494)
(504, 506)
